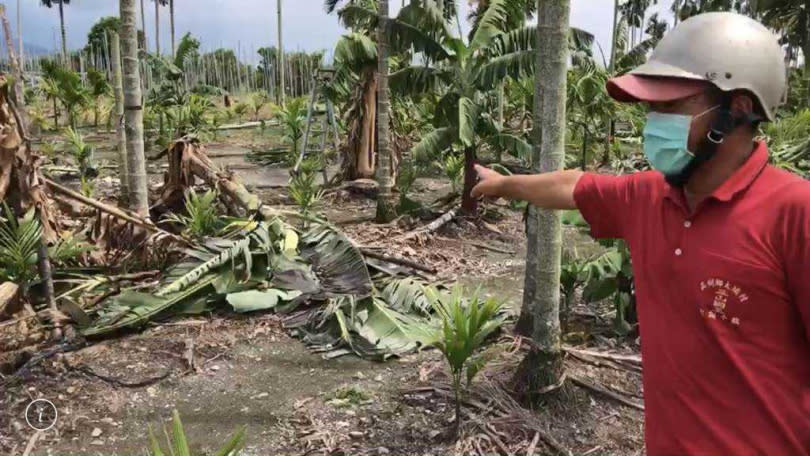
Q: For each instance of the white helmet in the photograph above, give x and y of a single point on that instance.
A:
(729, 50)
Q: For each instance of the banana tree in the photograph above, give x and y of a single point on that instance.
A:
(463, 73)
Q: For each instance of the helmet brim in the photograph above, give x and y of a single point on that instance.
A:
(633, 88)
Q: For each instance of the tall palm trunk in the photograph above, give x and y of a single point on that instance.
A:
(283, 87)
(386, 210)
(157, 27)
(143, 28)
(121, 135)
(539, 316)
(133, 110)
(171, 24)
(64, 35)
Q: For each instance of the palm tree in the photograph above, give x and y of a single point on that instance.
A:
(143, 27)
(121, 136)
(61, 3)
(539, 317)
(158, 4)
(282, 87)
(133, 112)
(385, 171)
(171, 24)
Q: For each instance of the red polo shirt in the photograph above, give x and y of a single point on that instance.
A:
(723, 299)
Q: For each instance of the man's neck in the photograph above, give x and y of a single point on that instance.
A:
(730, 156)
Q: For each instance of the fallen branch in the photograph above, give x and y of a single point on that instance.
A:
(430, 227)
(480, 245)
(397, 260)
(114, 211)
(114, 381)
(602, 362)
(605, 392)
(31, 443)
(533, 445)
(634, 359)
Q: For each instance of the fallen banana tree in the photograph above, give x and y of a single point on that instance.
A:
(316, 278)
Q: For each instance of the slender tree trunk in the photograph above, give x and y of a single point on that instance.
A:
(157, 27)
(133, 110)
(539, 316)
(611, 70)
(283, 87)
(171, 25)
(64, 35)
(20, 38)
(143, 28)
(118, 112)
(386, 209)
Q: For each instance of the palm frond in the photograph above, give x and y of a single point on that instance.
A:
(19, 241)
(515, 65)
(635, 56)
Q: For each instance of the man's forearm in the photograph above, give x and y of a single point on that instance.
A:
(554, 190)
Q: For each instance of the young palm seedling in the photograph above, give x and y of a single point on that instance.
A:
(459, 331)
(304, 189)
(201, 217)
(178, 442)
(293, 121)
(19, 241)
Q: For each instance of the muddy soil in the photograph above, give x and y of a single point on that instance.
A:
(223, 371)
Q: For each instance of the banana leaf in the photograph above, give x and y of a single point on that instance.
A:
(251, 300)
(133, 308)
(339, 266)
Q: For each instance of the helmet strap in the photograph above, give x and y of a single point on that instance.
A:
(724, 123)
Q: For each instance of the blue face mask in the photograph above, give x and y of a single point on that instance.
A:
(666, 138)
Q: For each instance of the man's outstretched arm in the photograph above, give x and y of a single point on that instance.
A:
(554, 190)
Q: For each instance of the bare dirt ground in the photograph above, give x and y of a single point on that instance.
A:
(222, 371)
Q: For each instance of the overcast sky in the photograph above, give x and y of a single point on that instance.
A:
(249, 24)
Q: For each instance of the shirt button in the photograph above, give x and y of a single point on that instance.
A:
(678, 252)
(687, 223)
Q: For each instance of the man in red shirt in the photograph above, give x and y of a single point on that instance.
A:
(720, 242)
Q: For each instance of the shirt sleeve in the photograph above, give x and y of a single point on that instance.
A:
(605, 202)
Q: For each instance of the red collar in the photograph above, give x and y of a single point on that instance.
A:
(740, 180)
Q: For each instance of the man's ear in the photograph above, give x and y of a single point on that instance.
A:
(741, 104)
